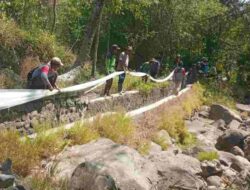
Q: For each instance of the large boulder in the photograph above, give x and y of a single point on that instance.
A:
(6, 180)
(104, 164)
(211, 168)
(177, 171)
(246, 147)
(243, 108)
(222, 112)
(99, 163)
(238, 163)
(230, 139)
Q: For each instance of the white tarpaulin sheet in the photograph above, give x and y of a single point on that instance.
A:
(13, 97)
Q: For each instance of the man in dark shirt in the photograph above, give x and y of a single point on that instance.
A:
(154, 67)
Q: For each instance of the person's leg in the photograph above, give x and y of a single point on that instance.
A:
(37, 83)
(108, 87)
(120, 82)
(145, 79)
(177, 87)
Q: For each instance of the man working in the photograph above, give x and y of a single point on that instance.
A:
(44, 76)
(154, 67)
(123, 66)
(145, 68)
(179, 74)
(110, 67)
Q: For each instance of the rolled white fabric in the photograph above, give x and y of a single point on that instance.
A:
(13, 97)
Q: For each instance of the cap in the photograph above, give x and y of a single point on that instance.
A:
(153, 60)
(56, 61)
(204, 59)
(129, 48)
(115, 46)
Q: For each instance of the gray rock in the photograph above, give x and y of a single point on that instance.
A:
(221, 112)
(105, 163)
(237, 151)
(126, 166)
(220, 124)
(234, 124)
(164, 136)
(6, 166)
(6, 180)
(154, 148)
(177, 171)
(211, 168)
(212, 188)
(246, 147)
(204, 114)
(214, 181)
(205, 108)
(238, 163)
(19, 125)
(89, 176)
(243, 107)
(230, 139)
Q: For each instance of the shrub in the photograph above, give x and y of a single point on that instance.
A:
(209, 156)
(80, 134)
(8, 79)
(27, 65)
(23, 153)
(45, 183)
(116, 127)
(161, 141)
(18, 45)
(49, 144)
(143, 147)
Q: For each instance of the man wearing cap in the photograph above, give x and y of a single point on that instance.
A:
(110, 67)
(154, 67)
(44, 76)
(123, 66)
(179, 75)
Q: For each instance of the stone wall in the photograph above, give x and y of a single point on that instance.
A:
(72, 107)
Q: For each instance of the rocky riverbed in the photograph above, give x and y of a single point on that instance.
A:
(103, 164)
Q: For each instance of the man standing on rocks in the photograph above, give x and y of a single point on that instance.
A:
(110, 67)
(44, 76)
(123, 66)
(179, 74)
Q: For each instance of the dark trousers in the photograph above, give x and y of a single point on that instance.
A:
(121, 81)
(153, 74)
(37, 82)
(108, 86)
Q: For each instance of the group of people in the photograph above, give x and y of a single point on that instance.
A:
(117, 63)
(45, 76)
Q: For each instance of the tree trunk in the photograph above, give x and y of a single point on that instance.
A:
(95, 48)
(54, 16)
(85, 48)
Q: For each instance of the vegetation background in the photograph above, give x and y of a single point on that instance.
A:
(81, 31)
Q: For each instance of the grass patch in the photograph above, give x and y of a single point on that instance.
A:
(116, 127)
(209, 156)
(136, 83)
(162, 142)
(172, 119)
(46, 183)
(80, 134)
(213, 93)
(23, 154)
(143, 147)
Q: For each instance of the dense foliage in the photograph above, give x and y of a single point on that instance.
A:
(217, 29)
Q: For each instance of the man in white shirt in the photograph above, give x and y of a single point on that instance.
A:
(123, 64)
